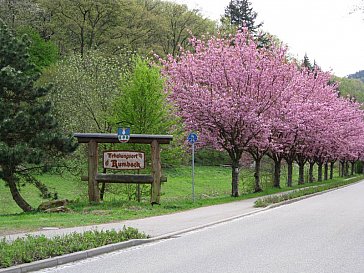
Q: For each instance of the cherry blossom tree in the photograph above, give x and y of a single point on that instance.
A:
(224, 88)
(242, 98)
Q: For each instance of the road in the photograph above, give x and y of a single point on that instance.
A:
(324, 234)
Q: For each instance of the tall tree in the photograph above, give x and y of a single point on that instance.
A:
(83, 24)
(239, 13)
(179, 23)
(84, 88)
(29, 133)
(307, 63)
(42, 53)
(224, 89)
(142, 105)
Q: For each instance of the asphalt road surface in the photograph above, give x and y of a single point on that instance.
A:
(319, 234)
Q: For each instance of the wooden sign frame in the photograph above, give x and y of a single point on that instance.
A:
(94, 177)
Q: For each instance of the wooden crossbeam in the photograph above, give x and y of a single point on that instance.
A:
(124, 178)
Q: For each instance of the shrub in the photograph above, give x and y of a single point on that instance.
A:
(34, 248)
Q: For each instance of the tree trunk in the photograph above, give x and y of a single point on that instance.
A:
(310, 172)
(319, 171)
(277, 173)
(301, 173)
(332, 169)
(346, 168)
(102, 191)
(257, 187)
(359, 167)
(342, 165)
(156, 173)
(235, 179)
(11, 180)
(352, 167)
(289, 172)
(326, 171)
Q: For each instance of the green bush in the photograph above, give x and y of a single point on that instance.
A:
(34, 248)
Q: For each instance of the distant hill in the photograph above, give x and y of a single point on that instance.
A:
(358, 75)
(351, 87)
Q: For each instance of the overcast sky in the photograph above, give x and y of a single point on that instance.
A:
(324, 29)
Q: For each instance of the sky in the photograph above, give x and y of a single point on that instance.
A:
(326, 30)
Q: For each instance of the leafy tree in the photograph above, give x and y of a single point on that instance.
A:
(109, 26)
(29, 133)
(17, 12)
(351, 88)
(215, 91)
(84, 88)
(42, 53)
(142, 105)
(83, 25)
(178, 24)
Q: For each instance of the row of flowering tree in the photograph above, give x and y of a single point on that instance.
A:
(241, 98)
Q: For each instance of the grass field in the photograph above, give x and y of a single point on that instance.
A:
(212, 186)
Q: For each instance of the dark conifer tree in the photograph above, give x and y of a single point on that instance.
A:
(241, 14)
(306, 62)
(29, 135)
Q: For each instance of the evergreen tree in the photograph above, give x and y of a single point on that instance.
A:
(306, 62)
(29, 134)
(241, 14)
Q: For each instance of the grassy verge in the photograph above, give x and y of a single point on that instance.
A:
(32, 249)
(213, 186)
(273, 199)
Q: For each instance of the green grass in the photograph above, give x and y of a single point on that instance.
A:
(212, 186)
(67, 187)
(273, 199)
(34, 248)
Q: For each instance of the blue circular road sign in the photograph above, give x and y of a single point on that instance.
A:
(192, 138)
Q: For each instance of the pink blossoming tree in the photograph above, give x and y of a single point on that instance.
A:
(223, 90)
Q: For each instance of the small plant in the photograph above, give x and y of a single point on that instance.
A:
(34, 248)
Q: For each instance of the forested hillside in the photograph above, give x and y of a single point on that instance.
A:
(358, 75)
(351, 87)
(76, 26)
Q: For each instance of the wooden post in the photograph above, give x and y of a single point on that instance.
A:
(138, 192)
(103, 186)
(156, 173)
(93, 189)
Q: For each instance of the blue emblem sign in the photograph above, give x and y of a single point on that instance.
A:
(124, 134)
(192, 138)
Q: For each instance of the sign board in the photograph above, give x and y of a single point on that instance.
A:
(192, 138)
(123, 134)
(124, 160)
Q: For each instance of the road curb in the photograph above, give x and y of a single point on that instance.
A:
(72, 257)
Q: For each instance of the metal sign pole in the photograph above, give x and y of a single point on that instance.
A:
(192, 138)
(193, 172)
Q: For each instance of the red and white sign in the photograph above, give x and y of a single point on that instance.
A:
(124, 160)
